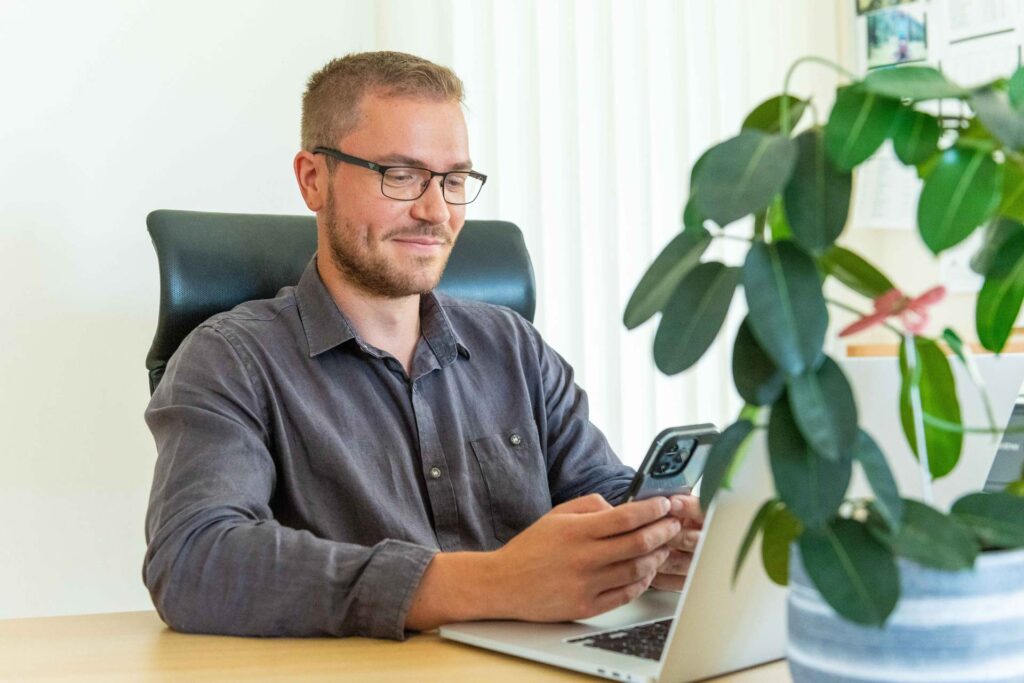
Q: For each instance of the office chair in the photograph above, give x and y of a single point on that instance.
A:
(211, 262)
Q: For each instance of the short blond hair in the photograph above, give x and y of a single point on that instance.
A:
(330, 105)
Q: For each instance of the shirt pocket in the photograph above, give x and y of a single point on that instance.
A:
(515, 476)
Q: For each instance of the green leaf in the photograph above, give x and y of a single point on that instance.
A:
(720, 459)
(693, 315)
(915, 136)
(998, 234)
(781, 229)
(822, 403)
(853, 271)
(932, 539)
(1016, 89)
(955, 343)
(859, 123)
(810, 486)
(767, 116)
(876, 469)
(696, 170)
(1016, 488)
(693, 221)
(740, 176)
(1012, 203)
(1000, 298)
(855, 573)
(817, 198)
(757, 378)
(939, 399)
(662, 277)
(787, 310)
(780, 530)
(958, 196)
(756, 524)
(996, 519)
(916, 83)
(925, 168)
(993, 107)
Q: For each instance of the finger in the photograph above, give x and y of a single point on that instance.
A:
(686, 539)
(668, 582)
(630, 571)
(638, 542)
(594, 502)
(687, 508)
(616, 597)
(677, 563)
(627, 517)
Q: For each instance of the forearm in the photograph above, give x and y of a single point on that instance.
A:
(455, 587)
(263, 579)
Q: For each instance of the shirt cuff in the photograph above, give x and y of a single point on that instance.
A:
(388, 585)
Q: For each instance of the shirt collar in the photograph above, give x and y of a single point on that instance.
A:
(326, 326)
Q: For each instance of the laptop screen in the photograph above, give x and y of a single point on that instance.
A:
(1009, 459)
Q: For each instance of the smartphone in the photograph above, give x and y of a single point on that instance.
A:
(674, 462)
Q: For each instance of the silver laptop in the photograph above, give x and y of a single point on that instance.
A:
(713, 627)
(707, 629)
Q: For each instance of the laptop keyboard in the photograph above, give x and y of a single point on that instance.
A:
(643, 640)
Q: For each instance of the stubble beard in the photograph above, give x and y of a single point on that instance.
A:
(371, 271)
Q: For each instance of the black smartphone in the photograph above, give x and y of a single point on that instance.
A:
(674, 462)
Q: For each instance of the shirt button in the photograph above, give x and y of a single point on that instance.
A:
(435, 472)
(515, 439)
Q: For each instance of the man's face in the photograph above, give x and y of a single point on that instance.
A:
(383, 246)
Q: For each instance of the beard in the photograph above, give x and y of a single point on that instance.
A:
(365, 266)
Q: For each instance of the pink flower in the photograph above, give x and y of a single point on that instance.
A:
(913, 312)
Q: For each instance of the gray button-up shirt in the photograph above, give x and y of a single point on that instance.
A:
(304, 481)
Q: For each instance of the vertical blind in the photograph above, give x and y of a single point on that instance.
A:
(587, 116)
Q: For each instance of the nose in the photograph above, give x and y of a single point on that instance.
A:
(432, 207)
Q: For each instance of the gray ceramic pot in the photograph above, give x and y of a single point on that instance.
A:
(948, 626)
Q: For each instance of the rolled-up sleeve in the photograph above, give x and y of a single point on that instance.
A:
(217, 561)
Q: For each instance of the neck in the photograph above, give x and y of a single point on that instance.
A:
(390, 324)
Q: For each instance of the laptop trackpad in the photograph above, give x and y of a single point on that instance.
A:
(653, 604)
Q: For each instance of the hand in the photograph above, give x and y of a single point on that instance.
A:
(672, 573)
(582, 558)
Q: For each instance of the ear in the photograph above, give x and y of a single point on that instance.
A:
(312, 176)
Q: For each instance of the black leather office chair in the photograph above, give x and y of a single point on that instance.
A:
(211, 262)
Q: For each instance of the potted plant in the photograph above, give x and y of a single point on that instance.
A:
(857, 556)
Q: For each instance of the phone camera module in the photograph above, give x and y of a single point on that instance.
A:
(672, 460)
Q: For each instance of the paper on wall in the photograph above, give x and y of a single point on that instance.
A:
(885, 193)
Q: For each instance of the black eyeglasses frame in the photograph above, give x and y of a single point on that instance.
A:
(379, 168)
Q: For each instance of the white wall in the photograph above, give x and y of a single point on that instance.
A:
(110, 109)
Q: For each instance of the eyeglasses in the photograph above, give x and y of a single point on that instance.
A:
(409, 183)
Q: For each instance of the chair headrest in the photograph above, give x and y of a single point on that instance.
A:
(211, 262)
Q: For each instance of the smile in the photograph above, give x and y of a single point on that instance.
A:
(420, 244)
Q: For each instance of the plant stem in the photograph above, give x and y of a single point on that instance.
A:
(947, 426)
(724, 236)
(850, 309)
(986, 146)
(759, 222)
(917, 412)
(814, 113)
(784, 110)
(979, 383)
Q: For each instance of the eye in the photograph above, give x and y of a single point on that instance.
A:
(401, 176)
(455, 181)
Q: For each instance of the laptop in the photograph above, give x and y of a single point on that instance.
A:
(712, 627)
(707, 629)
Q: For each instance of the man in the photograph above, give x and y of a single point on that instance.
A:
(360, 455)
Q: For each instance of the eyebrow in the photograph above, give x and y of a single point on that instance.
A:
(403, 160)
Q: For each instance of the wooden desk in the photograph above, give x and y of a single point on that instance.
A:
(136, 646)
